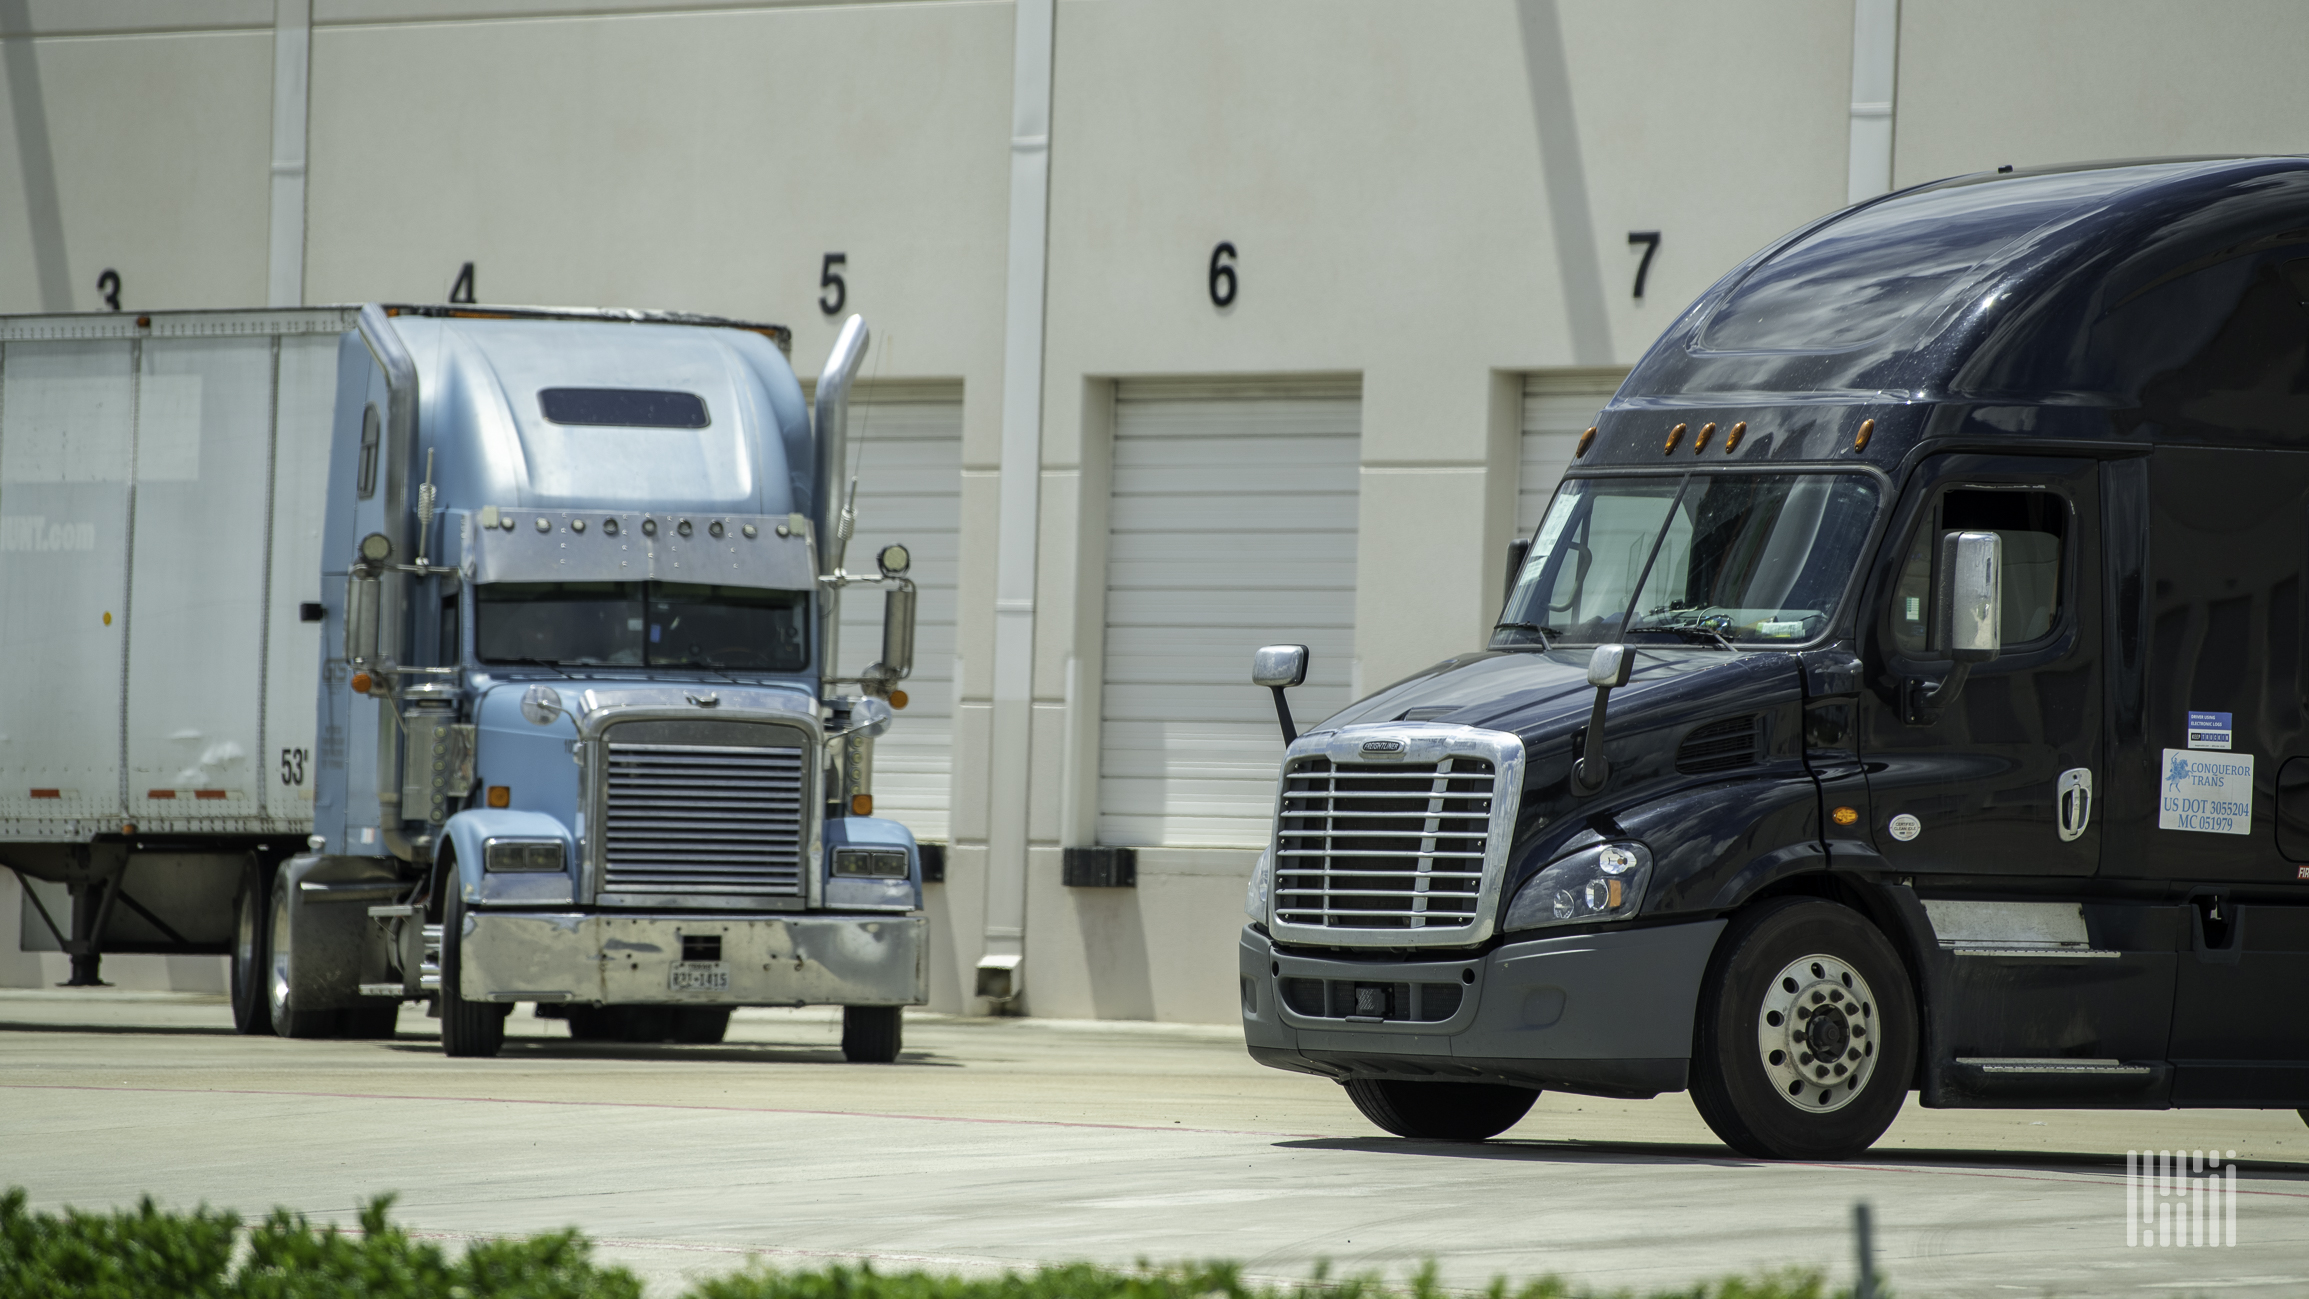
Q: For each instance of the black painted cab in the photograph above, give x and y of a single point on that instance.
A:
(1904, 692)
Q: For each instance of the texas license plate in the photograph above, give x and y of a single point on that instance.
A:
(701, 976)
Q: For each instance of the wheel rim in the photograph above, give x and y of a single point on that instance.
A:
(1816, 1033)
(277, 969)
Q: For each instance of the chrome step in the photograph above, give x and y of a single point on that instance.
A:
(2033, 952)
(2056, 1066)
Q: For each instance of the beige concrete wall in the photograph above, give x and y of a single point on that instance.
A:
(1435, 198)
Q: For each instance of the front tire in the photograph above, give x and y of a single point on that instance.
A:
(1440, 1111)
(872, 1034)
(252, 917)
(1807, 1032)
(280, 997)
(703, 1025)
(468, 1028)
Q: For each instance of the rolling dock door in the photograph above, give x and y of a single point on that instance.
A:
(906, 447)
(1558, 406)
(1232, 524)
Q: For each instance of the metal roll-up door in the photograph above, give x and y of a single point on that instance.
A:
(1558, 406)
(1232, 525)
(906, 448)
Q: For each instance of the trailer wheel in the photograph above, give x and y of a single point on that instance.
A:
(252, 1015)
(1807, 1032)
(1440, 1111)
(872, 1034)
(280, 942)
(468, 1028)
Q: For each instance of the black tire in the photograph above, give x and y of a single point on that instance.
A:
(1755, 1076)
(1441, 1111)
(252, 917)
(703, 1025)
(369, 1023)
(594, 1024)
(287, 1020)
(872, 1034)
(468, 1028)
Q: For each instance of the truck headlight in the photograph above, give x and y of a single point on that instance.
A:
(870, 863)
(506, 856)
(1262, 880)
(1605, 882)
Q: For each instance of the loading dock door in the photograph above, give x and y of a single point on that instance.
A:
(906, 446)
(1231, 525)
(1558, 406)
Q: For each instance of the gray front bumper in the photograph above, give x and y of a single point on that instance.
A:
(810, 960)
(1608, 1014)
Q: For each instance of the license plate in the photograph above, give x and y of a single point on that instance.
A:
(700, 976)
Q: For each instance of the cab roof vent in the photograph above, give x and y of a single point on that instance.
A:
(1722, 746)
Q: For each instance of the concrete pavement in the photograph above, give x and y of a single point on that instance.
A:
(1006, 1143)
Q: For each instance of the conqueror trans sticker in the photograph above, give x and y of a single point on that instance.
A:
(2208, 793)
(2209, 730)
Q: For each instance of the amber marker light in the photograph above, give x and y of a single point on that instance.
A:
(361, 683)
(861, 805)
(1860, 439)
(1845, 816)
(501, 796)
(1732, 439)
(897, 699)
(1707, 430)
(1586, 440)
(1675, 435)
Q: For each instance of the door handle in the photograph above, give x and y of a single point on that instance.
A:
(2075, 795)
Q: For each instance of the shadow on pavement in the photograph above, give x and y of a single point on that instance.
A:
(538, 1049)
(125, 1030)
(1632, 1152)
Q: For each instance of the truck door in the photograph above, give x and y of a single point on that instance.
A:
(2001, 780)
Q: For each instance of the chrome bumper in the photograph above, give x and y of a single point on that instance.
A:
(628, 959)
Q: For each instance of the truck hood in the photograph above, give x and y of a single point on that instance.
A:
(1543, 695)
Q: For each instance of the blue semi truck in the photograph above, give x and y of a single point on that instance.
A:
(561, 590)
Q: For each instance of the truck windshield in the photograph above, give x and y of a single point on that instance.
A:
(641, 624)
(1707, 558)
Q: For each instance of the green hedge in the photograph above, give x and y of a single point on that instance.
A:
(145, 1253)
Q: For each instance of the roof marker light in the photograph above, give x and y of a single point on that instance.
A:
(1675, 435)
(1707, 430)
(1732, 439)
(1586, 440)
(1860, 439)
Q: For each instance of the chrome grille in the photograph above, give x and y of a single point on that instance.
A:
(1395, 845)
(704, 821)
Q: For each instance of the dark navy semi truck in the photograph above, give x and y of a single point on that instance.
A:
(1906, 691)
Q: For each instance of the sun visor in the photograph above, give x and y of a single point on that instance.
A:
(525, 545)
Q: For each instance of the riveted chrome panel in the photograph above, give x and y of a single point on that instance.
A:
(1393, 835)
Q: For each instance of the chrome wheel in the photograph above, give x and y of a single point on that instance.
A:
(1817, 1033)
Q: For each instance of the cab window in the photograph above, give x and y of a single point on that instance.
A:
(2034, 528)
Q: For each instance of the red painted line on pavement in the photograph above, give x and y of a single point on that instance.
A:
(658, 1105)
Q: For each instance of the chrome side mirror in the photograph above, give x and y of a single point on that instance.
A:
(897, 634)
(1970, 601)
(1279, 667)
(869, 717)
(362, 599)
(1607, 670)
(1609, 667)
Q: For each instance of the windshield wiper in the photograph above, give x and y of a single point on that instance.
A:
(1691, 633)
(1546, 642)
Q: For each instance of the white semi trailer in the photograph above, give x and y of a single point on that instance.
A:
(454, 656)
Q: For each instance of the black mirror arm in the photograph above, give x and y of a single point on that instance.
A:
(1593, 769)
(1926, 698)
(1283, 715)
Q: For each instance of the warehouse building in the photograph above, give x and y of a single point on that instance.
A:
(1199, 325)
